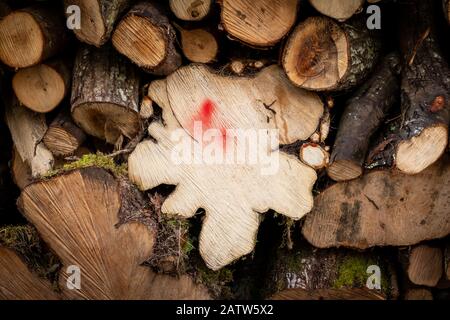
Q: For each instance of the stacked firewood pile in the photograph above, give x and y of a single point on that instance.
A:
(99, 198)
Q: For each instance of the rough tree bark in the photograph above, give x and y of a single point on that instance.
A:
(425, 90)
(105, 94)
(147, 38)
(362, 116)
(30, 36)
(324, 55)
(306, 273)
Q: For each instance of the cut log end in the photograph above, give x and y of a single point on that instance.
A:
(40, 88)
(190, 10)
(418, 294)
(343, 170)
(140, 40)
(22, 42)
(260, 23)
(199, 45)
(337, 9)
(419, 152)
(425, 265)
(106, 121)
(316, 55)
(314, 156)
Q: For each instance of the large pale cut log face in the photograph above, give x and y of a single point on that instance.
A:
(232, 194)
(382, 208)
(259, 23)
(76, 214)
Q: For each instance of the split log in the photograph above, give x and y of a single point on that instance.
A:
(362, 116)
(195, 96)
(199, 45)
(20, 171)
(105, 94)
(147, 38)
(424, 265)
(382, 208)
(260, 23)
(314, 155)
(338, 9)
(27, 130)
(97, 213)
(41, 88)
(425, 90)
(30, 36)
(63, 137)
(97, 19)
(323, 55)
(305, 273)
(190, 10)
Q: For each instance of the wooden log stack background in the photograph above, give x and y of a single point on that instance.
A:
(358, 206)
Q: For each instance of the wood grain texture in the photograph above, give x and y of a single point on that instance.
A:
(382, 208)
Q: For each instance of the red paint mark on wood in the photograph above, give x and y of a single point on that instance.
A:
(437, 104)
(206, 112)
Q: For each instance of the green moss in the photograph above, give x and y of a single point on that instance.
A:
(218, 282)
(353, 273)
(91, 160)
(26, 242)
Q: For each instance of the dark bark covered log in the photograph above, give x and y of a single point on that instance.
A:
(105, 94)
(63, 136)
(424, 265)
(98, 18)
(190, 10)
(41, 88)
(425, 90)
(382, 208)
(259, 23)
(30, 36)
(306, 273)
(447, 260)
(147, 38)
(324, 55)
(362, 116)
(338, 9)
